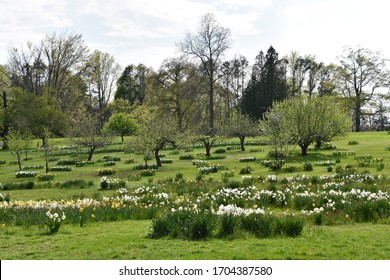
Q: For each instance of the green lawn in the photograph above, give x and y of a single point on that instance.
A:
(128, 239)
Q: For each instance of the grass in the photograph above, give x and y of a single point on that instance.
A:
(126, 240)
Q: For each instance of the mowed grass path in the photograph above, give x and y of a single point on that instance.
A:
(127, 240)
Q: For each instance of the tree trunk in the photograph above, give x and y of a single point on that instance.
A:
(304, 149)
(47, 166)
(90, 153)
(242, 143)
(357, 118)
(5, 131)
(19, 162)
(123, 140)
(157, 157)
(208, 148)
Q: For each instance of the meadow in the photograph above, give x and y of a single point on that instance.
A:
(332, 204)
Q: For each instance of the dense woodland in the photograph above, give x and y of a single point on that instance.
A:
(58, 87)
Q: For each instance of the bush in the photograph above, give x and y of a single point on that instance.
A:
(184, 224)
(147, 172)
(186, 157)
(166, 160)
(128, 161)
(30, 167)
(260, 225)
(247, 159)
(26, 174)
(68, 161)
(18, 186)
(60, 168)
(307, 166)
(330, 168)
(75, 183)
(143, 167)
(3, 162)
(353, 142)
(219, 151)
(135, 177)
(111, 158)
(290, 225)
(46, 177)
(179, 175)
(290, 168)
(246, 170)
(106, 171)
(110, 163)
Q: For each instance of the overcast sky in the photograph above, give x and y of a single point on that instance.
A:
(146, 31)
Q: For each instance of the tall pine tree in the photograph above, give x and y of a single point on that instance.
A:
(268, 83)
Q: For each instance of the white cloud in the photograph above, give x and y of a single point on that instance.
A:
(146, 31)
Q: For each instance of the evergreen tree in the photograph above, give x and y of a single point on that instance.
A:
(268, 84)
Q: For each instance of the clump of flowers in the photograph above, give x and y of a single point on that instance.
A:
(54, 221)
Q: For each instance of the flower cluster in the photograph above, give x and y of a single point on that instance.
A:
(26, 174)
(54, 220)
(237, 211)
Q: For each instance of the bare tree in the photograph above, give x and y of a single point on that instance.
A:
(362, 74)
(88, 134)
(177, 87)
(208, 45)
(102, 73)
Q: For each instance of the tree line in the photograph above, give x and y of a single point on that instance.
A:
(59, 87)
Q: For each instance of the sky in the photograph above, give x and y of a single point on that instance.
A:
(147, 31)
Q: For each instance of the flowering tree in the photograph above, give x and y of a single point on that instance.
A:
(304, 121)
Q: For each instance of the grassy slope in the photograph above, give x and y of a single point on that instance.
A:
(126, 240)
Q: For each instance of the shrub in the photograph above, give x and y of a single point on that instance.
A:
(247, 159)
(353, 142)
(45, 177)
(26, 174)
(68, 161)
(246, 170)
(260, 225)
(330, 168)
(5, 197)
(128, 161)
(229, 224)
(166, 160)
(184, 224)
(75, 183)
(179, 175)
(290, 168)
(110, 163)
(60, 168)
(30, 167)
(186, 157)
(3, 162)
(220, 151)
(111, 158)
(290, 225)
(106, 171)
(307, 166)
(143, 167)
(147, 172)
(18, 186)
(135, 177)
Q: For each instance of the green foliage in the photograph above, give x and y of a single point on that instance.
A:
(304, 121)
(106, 171)
(121, 124)
(45, 177)
(307, 166)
